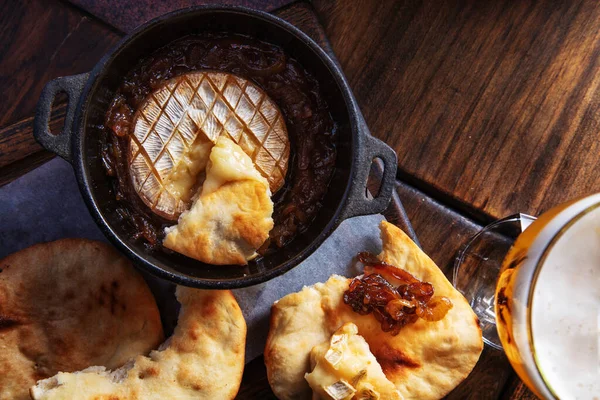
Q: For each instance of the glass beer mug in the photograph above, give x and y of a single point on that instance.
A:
(535, 286)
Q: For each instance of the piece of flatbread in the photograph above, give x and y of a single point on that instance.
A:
(204, 359)
(69, 304)
(425, 361)
(231, 218)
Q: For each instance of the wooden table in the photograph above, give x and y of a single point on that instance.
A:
(491, 106)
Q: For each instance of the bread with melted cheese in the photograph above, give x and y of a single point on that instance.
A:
(425, 361)
(68, 304)
(232, 216)
(344, 368)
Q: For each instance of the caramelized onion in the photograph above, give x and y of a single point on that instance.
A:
(435, 310)
(393, 296)
(395, 275)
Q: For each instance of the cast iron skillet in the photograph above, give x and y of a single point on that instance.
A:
(90, 94)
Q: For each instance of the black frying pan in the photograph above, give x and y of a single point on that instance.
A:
(90, 94)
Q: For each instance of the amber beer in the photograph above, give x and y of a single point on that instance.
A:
(548, 302)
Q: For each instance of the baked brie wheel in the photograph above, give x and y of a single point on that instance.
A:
(178, 124)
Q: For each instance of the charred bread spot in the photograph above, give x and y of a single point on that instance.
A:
(502, 319)
(114, 302)
(393, 360)
(210, 310)
(477, 323)
(7, 323)
(108, 296)
(151, 371)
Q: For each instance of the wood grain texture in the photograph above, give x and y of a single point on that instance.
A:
(255, 385)
(493, 104)
(17, 141)
(12, 171)
(41, 40)
(302, 15)
(517, 390)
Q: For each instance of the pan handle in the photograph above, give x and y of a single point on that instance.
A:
(357, 202)
(60, 143)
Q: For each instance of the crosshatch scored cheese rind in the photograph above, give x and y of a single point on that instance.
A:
(176, 127)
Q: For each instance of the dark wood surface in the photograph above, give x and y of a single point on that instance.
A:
(126, 15)
(41, 40)
(490, 105)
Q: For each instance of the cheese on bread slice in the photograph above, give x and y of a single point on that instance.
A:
(232, 216)
(345, 369)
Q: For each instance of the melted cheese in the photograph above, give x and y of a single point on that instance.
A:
(345, 369)
(186, 176)
(228, 163)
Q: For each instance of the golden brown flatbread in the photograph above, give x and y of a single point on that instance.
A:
(69, 304)
(232, 216)
(204, 359)
(425, 361)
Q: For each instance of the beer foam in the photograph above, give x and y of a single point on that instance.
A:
(565, 312)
